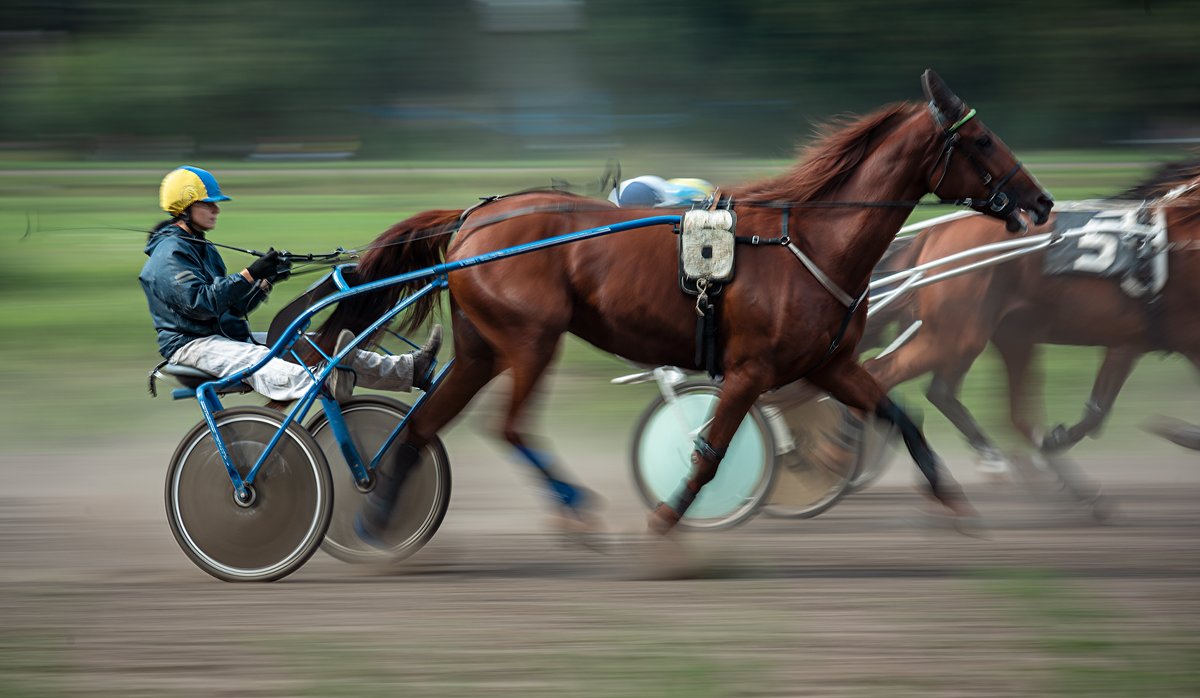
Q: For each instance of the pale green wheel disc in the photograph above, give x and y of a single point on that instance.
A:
(662, 452)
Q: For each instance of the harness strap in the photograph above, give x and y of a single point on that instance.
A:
(842, 297)
(757, 240)
(837, 338)
(785, 239)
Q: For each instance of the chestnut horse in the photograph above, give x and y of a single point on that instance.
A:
(778, 322)
(1016, 307)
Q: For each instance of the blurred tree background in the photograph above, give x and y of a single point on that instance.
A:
(117, 79)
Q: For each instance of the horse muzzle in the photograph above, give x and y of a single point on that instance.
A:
(1041, 209)
(1003, 205)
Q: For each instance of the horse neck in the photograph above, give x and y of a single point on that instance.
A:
(1183, 206)
(849, 242)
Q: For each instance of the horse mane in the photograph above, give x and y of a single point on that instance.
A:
(828, 161)
(1166, 178)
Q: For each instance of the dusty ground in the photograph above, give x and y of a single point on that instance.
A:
(871, 599)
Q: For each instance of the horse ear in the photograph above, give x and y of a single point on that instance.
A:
(936, 91)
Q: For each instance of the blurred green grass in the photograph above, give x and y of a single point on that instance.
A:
(1084, 642)
(77, 340)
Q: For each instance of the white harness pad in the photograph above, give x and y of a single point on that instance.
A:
(706, 244)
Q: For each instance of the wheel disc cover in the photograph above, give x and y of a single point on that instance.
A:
(418, 506)
(665, 453)
(266, 536)
(822, 460)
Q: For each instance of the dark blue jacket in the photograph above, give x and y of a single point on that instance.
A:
(190, 294)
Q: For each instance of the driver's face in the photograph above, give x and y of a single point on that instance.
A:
(204, 215)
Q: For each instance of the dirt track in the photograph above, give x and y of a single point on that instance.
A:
(870, 599)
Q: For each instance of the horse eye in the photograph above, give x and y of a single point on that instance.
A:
(984, 141)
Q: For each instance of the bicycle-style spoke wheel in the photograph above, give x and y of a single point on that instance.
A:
(423, 502)
(663, 442)
(282, 521)
(818, 454)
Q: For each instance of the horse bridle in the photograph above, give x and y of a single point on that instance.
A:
(999, 202)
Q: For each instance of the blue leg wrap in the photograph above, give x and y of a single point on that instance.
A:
(566, 493)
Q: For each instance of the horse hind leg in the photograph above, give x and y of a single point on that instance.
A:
(850, 383)
(1176, 430)
(1114, 370)
(474, 366)
(528, 360)
(1019, 358)
(949, 361)
(943, 394)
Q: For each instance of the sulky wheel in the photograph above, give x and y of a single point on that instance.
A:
(818, 454)
(423, 502)
(875, 451)
(281, 522)
(662, 451)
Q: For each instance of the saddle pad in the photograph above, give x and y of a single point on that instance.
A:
(706, 244)
(1128, 245)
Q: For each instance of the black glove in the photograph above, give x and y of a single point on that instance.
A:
(283, 269)
(266, 267)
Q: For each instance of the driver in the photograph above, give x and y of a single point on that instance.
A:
(652, 191)
(199, 310)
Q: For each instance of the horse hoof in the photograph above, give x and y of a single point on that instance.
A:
(1103, 509)
(993, 466)
(590, 499)
(953, 503)
(960, 508)
(1057, 440)
(580, 529)
(961, 519)
(971, 526)
(662, 520)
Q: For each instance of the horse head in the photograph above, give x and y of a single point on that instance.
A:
(987, 173)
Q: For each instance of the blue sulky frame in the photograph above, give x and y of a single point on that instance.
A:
(207, 393)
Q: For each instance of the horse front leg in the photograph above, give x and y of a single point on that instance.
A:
(473, 368)
(738, 394)
(528, 350)
(943, 394)
(949, 362)
(1024, 382)
(1114, 371)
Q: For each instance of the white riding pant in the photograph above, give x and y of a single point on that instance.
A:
(285, 381)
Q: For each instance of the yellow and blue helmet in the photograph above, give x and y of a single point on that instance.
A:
(691, 188)
(186, 185)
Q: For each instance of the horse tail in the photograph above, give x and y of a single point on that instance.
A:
(417, 243)
(902, 254)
